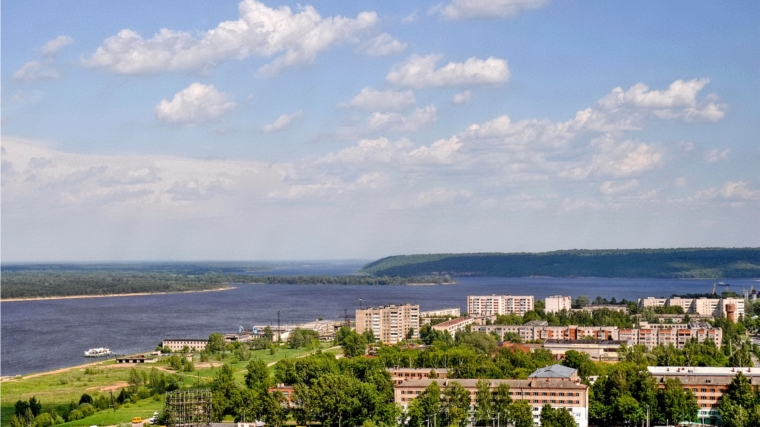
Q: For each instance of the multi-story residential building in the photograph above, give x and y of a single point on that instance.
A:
(707, 383)
(179, 343)
(652, 302)
(557, 303)
(487, 305)
(599, 350)
(444, 313)
(460, 324)
(648, 335)
(391, 323)
(556, 385)
(717, 307)
(399, 375)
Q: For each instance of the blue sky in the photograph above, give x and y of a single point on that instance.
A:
(276, 130)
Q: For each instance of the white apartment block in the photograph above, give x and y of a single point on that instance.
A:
(489, 305)
(443, 312)
(391, 323)
(722, 307)
(557, 303)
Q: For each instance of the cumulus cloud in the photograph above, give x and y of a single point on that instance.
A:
(44, 69)
(282, 123)
(461, 98)
(399, 153)
(195, 105)
(375, 100)
(714, 156)
(474, 9)
(36, 70)
(732, 190)
(609, 188)
(442, 196)
(679, 101)
(261, 30)
(382, 45)
(618, 159)
(40, 176)
(53, 46)
(419, 72)
(421, 118)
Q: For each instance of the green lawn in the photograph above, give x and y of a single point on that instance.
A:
(59, 389)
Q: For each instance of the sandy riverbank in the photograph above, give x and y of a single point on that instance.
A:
(224, 288)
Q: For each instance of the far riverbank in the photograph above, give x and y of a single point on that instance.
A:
(136, 294)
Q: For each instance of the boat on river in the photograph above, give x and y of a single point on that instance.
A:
(97, 352)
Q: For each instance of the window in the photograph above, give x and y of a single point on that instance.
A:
(552, 394)
(543, 393)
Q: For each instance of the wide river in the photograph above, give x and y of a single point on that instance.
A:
(47, 334)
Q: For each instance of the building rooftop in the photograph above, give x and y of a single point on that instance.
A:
(472, 383)
(536, 323)
(702, 371)
(553, 371)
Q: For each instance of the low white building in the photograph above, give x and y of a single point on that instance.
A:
(557, 303)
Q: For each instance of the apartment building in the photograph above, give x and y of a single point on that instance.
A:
(460, 324)
(427, 316)
(391, 323)
(557, 303)
(487, 305)
(598, 350)
(399, 375)
(557, 386)
(539, 330)
(652, 337)
(177, 344)
(718, 307)
(707, 383)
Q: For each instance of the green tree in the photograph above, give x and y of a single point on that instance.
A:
(521, 414)
(215, 343)
(580, 361)
(484, 408)
(560, 417)
(502, 403)
(580, 302)
(257, 376)
(678, 404)
(456, 404)
(354, 345)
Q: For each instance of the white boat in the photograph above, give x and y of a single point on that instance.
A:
(97, 352)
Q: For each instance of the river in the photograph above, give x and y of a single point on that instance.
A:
(42, 335)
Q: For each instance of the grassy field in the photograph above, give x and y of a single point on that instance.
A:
(57, 389)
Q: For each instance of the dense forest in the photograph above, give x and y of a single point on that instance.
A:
(713, 263)
(29, 283)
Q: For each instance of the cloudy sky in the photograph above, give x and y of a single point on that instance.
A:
(176, 130)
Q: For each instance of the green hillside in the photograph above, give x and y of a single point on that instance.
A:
(713, 263)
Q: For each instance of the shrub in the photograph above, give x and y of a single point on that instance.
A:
(76, 414)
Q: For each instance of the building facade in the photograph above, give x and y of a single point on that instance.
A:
(555, 389)
(717, 307)
(488, 305)
(707, 383)
(557, 303)
(390, 324)
(177, 344)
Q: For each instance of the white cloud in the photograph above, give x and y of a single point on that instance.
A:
(36, 70)
(419, 72)
(442, 196)
(261, 30)
(714, 156)
(618, 159)
(44, 69)
(679, 101)
(732, 190)
(53, 46)
(461, 98)
(399, 153)
(421, 118)
(608, 188)
(382, 45)
(375, 100)
(412, 17)
(473, 9)
(45, 178)
(282, 123)
(194, 105)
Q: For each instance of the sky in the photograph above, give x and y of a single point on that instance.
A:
(225, 130)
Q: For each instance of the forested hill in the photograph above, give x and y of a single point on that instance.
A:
(714, 263)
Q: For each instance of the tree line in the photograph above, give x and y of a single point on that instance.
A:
(644, 263)
(40, 284)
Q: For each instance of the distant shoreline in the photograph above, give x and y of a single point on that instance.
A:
(137, 294)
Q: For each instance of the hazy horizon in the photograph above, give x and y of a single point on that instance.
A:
(277, 130)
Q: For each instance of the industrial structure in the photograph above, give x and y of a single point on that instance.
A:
(188, 408)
